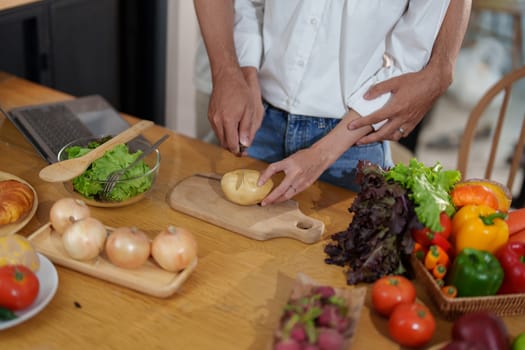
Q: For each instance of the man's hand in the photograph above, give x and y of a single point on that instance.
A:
(249, 126)
(413, 95)
(235, 110)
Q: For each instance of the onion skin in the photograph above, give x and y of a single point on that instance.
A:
(65, 211)
(174, 248)
(84, 239)
(128, 247)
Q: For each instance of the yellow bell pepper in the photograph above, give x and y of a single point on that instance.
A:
(467, 212)
(479, 227)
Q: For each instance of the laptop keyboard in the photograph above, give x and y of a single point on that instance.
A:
(41, 122)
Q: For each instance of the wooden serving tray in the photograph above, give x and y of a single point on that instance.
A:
(149, 279)
(201, 196)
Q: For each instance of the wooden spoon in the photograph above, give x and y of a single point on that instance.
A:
(71, 168)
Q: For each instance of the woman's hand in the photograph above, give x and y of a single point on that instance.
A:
(301, 169)
(304, 167)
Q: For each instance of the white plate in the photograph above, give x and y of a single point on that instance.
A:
(48, 279)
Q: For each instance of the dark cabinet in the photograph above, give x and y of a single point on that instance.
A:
(82, 47)
(85, 51)
(24, 43)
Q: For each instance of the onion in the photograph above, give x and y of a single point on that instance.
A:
(128, 247)
(65, 211)
(84, 239)
(174, 248)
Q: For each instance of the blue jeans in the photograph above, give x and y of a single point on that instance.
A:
(282, 134)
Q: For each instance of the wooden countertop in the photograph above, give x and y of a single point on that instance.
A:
(234, 297)
(7, 4)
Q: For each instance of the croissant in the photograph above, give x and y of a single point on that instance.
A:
(16, 200)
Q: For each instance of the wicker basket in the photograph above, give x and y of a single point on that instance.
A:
(452, 308)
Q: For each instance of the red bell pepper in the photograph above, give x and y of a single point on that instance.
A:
(426, 238)
(420, 234)
(512, 259)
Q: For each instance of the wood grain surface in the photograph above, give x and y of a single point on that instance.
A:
(234, 297)
(150, 278)
(201, 196)
(10, 4)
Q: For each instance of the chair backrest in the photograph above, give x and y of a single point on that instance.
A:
(503, 86)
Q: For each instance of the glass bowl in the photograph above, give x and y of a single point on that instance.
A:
(129, 189)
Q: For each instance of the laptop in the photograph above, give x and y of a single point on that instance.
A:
(48, 127)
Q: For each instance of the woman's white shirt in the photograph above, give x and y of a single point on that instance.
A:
(319, 57)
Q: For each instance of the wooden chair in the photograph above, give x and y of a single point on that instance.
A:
(503, 86)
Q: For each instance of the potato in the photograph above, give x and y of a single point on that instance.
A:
(240, 186)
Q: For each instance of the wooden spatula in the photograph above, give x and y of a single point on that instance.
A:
(71, 168)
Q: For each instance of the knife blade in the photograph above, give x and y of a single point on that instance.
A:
(211, 176)
(242, 148)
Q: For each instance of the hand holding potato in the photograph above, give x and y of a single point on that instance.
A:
(240, 187)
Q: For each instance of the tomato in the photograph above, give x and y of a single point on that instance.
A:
(411, 325)
(389, 291)
(18, 287)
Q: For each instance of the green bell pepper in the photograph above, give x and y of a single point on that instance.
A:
(475, 273)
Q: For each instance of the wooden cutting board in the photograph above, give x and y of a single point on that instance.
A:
(201, 196)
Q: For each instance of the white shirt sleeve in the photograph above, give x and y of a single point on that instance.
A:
(248, 32)
(409, 47)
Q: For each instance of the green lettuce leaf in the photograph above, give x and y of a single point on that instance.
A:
(88, 184)
(429, 189)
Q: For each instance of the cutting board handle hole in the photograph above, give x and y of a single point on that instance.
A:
(304, 225)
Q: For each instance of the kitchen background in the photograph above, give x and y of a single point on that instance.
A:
(141, 56)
